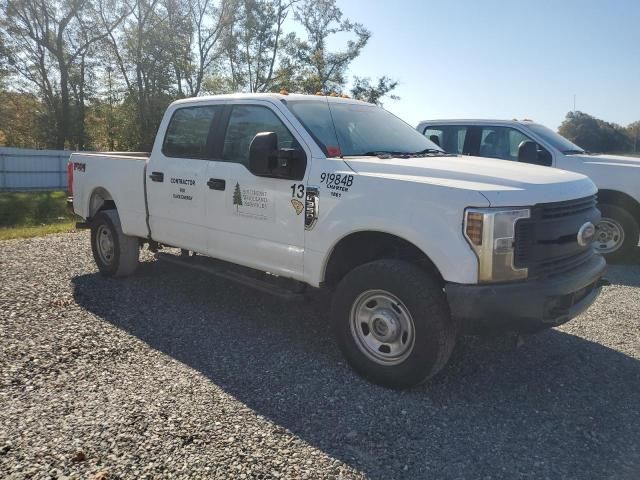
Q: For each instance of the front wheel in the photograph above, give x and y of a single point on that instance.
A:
(115, 253)
(392, 323)
(617, 233)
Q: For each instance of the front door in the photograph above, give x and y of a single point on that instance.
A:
(176, 179)
(253, 220)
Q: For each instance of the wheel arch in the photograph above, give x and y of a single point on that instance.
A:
(620, 199)
(100, 199)
(358, 248)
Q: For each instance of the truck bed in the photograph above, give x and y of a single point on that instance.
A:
(109, 176)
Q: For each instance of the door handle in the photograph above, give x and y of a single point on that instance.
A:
(217, 184)
(157, 176)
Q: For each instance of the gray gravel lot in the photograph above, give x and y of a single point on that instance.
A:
(173, 373)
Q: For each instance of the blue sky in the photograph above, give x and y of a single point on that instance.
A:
(504, 59)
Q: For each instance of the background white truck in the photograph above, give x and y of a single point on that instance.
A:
(282, 192)
(617, 177)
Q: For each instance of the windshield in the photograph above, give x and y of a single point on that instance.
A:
(555, 139)
(360, 129)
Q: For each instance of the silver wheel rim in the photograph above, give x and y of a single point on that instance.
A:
(105, 244)
(382, 327)
(609, 235)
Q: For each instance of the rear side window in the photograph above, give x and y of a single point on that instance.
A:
(188, 132)
(449, 137)
(246, 121)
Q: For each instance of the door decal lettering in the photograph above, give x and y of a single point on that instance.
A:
(183, 183)
(251, 202)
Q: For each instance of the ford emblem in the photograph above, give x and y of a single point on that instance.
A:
(586, 234)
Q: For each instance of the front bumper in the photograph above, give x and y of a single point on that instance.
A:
(528, 306)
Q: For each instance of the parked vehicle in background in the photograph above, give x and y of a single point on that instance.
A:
(282, 192)
(617, 177)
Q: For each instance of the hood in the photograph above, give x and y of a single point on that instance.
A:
(503, 183)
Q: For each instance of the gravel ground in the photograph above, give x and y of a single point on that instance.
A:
(173, 373)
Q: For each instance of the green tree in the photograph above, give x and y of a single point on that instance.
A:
(362, 89)
(309, 66)
(254, 42)
(633, 132)
(48, 43)
(237, 196)
(24, 122)
(141, 52)
(593, 134)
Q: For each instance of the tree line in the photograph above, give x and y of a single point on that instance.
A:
(598, 136)
(98, 74)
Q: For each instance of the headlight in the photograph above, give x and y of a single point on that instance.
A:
(491, 234)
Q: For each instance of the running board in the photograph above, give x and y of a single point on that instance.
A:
(275, 285)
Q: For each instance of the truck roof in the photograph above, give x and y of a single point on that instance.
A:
(477, 121)
(269, 96)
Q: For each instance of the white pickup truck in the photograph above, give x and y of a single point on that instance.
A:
(282, 192)
(617, 177)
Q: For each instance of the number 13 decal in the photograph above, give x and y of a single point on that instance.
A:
(297, 190)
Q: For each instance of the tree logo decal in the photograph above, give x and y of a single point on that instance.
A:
(237, 196)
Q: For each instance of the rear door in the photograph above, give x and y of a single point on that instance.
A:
(176, 177)
(254, 220)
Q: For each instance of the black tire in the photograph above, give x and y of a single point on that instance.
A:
(123, 260)
(421, 295)
(630, 228)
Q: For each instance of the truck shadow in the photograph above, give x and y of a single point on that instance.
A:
(560, 406)
(627, 272)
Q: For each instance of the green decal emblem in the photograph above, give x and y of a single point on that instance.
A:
(237, 196)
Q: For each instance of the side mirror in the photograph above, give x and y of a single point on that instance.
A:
(266, 160)
(528, 152)
(292, 163)
(263, 153)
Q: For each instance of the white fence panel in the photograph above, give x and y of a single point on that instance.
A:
(33, 170)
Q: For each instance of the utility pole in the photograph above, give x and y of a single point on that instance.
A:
(574, 103)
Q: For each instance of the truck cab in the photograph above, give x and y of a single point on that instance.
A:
(617, 177)
(415, 245)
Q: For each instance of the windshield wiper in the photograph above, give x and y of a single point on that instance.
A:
(573, 152)
(386, 153)
(429, 150)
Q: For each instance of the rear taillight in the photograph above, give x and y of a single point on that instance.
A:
(70, 178)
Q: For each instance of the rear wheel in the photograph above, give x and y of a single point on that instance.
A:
(115, 253)
(392, 323)
(617, 233)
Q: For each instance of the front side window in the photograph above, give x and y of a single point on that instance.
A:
(504, 143)
(245, 122)
(354, 129)
(515, 140)
(188, 132)
(450, 137)
(555, 139)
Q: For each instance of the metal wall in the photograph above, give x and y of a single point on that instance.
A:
(33, 170)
